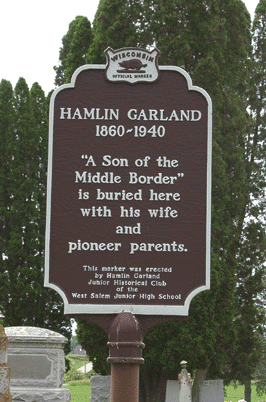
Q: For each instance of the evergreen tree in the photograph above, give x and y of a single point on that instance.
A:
(6, 127)
(78, 48)
(115, 25)
(250, 318)
(87, 333)
(223, 68)
(257, 105)
(64, 51)
(23, 299)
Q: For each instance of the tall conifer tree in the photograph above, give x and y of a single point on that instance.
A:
(23, 298)
(114, 25)
(250, 317)
(6, 130)
(78, 48)
(204, 44)
(64, 51)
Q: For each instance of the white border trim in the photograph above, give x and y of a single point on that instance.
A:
(134, 309)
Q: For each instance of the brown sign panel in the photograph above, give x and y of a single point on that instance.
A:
(128, 208)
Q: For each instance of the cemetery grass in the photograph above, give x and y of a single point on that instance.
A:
(80, 390)
(235, 394)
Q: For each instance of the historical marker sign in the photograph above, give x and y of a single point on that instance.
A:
(129, 181)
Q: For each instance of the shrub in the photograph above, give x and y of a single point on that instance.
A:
(73, 375)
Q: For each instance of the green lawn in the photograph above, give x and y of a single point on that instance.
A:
(235, 394)
(80, 391)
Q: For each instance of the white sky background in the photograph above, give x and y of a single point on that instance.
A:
(31, 35)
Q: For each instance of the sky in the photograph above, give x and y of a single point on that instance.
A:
(31, 35)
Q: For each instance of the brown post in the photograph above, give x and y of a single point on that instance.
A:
(125, 355)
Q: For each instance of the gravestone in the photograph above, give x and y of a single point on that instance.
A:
(37, 363)
(209, 391)
(100, 388)
(172, 391)
(185, 391)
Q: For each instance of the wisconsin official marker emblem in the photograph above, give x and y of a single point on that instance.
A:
(132, 65)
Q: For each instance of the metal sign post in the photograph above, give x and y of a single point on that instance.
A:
(129, 184)
(125, 356)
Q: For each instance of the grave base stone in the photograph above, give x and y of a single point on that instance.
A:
(40, 395)
(37, 363)
(100, 388)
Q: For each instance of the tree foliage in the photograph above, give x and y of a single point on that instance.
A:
(250, 317)
(24, 135)
(97, 352)
(115, 25)
(78, 48)
(60, 70)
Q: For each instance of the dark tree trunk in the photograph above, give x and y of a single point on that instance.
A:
(199, 377)
(248, 391)
(152, 387)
